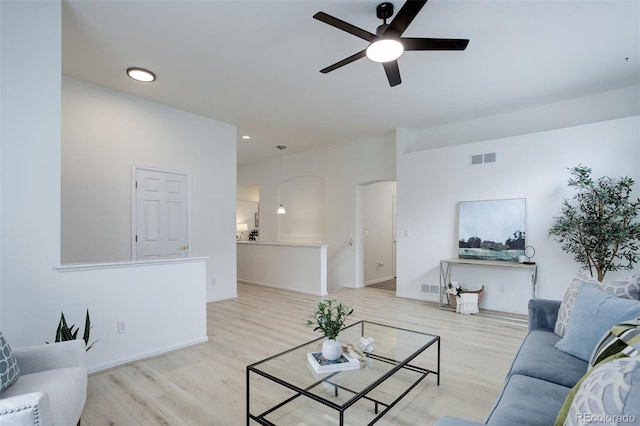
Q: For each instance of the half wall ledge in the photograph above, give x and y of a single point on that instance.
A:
(126, 264)
(298, 267)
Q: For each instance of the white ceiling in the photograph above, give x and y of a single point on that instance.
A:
(255, 63)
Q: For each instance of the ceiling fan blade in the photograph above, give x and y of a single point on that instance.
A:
(411, 43)
(344, 62)
(404, 17)
(345, 26)
(393, 72)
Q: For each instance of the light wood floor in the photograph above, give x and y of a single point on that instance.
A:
(205, 384)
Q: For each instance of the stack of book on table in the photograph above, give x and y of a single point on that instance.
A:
(322, 365)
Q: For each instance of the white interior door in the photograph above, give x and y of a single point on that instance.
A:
(161, 214)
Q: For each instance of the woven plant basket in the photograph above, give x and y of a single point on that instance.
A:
(453, 301)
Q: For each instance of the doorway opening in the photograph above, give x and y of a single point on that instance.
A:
(248, 213)
(378, 212)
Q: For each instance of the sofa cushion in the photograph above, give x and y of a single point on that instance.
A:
(66, 388)
(538, 358)
(9, 368)
(593, 314)
(628, 288)
(609, 395)
(527, 401)
(455, 421)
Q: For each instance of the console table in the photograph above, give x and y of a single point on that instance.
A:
(447, 264)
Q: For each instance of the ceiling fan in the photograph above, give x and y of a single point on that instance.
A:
(387, 44)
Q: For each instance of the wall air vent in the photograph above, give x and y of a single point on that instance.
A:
(489, 157)
(433, 289)
(476, 159)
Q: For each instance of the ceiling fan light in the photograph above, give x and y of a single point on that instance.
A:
(385, 50)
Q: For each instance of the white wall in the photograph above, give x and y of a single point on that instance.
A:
(295, 267)
(103, 134)
(303, 199)
(31, 63)
(532, 166)
(248, 193)
(377, 206)
(32, 292)
(343, 168)
(162, 305)
(569, 113)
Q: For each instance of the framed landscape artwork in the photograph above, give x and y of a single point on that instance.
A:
(492, 229)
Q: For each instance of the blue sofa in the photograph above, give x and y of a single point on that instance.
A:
(540, 377)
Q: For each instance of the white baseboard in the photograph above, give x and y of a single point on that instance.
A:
(145, 355)
(379, 280)
(295, 290)
(235, 296)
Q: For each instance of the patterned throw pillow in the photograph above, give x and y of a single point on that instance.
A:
(9, 369)
(569, 300)
(609, 395)
(623, 340)
(628, 288)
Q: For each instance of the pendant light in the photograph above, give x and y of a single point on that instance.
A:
(281, 209)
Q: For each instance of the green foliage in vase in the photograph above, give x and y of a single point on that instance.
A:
(64, 332)
(330, 317)
(599, 227)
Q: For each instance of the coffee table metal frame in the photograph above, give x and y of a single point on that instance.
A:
(358, 395)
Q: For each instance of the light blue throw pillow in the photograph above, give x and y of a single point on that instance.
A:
(593, 314)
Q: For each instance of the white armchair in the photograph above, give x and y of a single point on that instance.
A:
(51, 389)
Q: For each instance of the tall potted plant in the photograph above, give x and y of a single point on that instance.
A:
(600, 226)
(329, 318)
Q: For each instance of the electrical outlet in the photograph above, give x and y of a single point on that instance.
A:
(213, 281)
(122, 327)
(501, 288)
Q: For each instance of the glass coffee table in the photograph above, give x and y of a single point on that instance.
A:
(285, 390)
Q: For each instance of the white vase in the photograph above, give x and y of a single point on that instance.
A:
(331, 349)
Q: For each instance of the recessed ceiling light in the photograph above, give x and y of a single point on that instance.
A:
(246, 137)
(140, 74)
